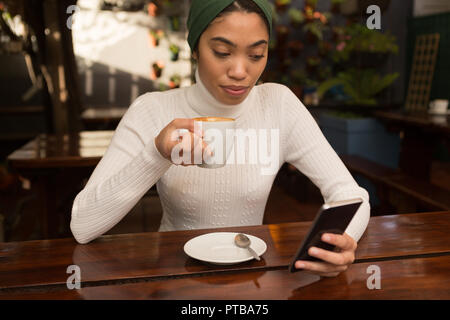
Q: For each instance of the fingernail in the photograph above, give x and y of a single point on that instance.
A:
(313, 251)
(300, 265)
(326, 237)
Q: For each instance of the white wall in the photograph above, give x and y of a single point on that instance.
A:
(113, 52)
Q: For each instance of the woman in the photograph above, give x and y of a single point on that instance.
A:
(229, 39)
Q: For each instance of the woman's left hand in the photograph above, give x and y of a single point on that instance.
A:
(333, 263)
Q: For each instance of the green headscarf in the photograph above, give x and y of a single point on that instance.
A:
(202, 12)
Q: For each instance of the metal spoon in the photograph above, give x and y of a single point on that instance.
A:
(242, 241)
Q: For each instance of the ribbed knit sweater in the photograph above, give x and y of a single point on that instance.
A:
(197, 198)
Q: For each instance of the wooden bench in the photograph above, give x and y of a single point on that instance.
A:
(398, 191)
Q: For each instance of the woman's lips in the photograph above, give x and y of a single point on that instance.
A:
(235, 91)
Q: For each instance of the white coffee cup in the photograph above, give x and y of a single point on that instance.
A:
(219, 136)
(439, 106)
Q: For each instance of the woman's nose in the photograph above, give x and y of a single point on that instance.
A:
(238, 70)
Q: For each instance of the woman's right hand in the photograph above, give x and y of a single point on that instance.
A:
(169, 137)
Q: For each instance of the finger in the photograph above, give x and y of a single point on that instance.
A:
(319, 267)
(200, 150)
(343, 242)
(340, 259)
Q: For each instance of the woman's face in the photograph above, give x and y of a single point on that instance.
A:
(232, 55)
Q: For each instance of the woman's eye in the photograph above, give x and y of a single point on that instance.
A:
(221, 54)
(257, 57)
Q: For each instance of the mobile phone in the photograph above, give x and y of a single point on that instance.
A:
(331, 218)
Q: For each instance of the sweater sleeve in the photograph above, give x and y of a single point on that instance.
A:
(307, 149)
(131, 165)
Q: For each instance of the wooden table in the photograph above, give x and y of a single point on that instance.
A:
(56, 166)
(412, 252)
(420, 131)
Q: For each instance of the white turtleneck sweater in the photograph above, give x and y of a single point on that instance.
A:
(194, 197)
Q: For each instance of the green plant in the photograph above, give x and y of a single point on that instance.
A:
(156, 36)
(361, 86)
(358, 38)
(157, 69)
(175, 81)
(325, 73)
(174, 48)
(311, 83)
(282, 2)
(174, 52)
(296, 16)
(298, 77)
(316, 28)
(313, 61)
(174, 23)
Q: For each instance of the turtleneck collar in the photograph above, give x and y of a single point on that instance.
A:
(205, 104)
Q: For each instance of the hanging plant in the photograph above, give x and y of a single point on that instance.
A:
(314, 31)
(155, 36)
(174, 23)
(157, 69)
(175, 81)
(174, 52)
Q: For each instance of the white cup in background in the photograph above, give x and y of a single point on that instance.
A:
(439, 106)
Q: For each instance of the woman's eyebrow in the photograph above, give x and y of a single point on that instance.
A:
(226, 41)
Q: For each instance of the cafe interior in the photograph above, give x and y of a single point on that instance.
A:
(372, 73)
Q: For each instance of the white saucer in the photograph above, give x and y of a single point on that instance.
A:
(219, 248)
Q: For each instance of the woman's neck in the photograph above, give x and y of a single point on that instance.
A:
(205, 104)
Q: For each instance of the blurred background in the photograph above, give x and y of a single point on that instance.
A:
(374, 74)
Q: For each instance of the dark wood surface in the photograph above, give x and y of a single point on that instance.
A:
(390, 183)
(56, 166)
(117, 260)
(83, 149)
(420, 278)
(420, 132)
(428, 122)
